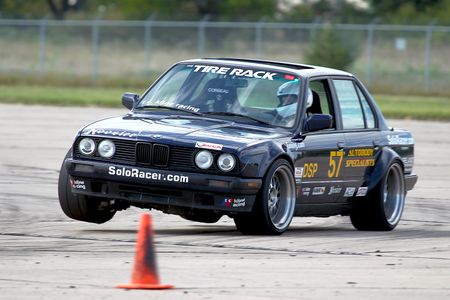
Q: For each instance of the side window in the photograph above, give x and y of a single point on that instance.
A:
(321, 103)
(352, 114)
(370, 119)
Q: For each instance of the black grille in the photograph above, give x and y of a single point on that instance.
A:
(144, 153)
(160, 155)
(154, 155)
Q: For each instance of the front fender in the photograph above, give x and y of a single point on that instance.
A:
(385, 158)
(257, 159)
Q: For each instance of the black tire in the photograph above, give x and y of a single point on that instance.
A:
(381, 210)
(275, 203)
(80, 207)
(202, 217)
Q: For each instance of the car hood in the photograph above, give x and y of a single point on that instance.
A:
(183, 131)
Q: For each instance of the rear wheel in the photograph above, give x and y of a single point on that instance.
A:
(382, 209)
(275, 203)
(81, 207)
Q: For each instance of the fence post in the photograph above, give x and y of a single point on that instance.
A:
(94, 48)
(148, 43)
(201, 36)
(370, 30)
(427, 62)
(258, 37)
(43, 44)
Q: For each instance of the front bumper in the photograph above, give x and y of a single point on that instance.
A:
(410, 181)
(162, 189)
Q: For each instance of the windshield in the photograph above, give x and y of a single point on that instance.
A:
(246, 94)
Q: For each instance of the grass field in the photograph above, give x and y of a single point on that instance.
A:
(393, 106)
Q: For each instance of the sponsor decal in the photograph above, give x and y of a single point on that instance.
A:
(360, 152)
(216, 90)
(334, 190)
(77, 184)
(234, 202)
(136, 173)
(209, 146)
(298, 173)
(320, 190)
(396, 139)
(235, 72)
(306, 191)
(360, 162)
(362, 191)
(176, 105)
(310, 170)
(349, 192)
(111, 132)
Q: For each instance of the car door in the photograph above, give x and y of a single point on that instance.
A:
(320, 171)
(361, 135)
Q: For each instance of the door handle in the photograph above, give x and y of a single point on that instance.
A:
(340, 145)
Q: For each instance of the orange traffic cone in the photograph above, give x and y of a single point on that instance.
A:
(145, 273)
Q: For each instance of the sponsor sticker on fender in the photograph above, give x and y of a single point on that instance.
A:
(319, 190)
(362, 191)
(234, 202)
(349, 192)
(306, 191)
(77, 184)
(298, 172)
(209, 146)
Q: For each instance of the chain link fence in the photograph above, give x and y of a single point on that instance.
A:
(392, 58)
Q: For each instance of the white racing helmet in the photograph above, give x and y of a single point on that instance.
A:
(293, 88)
(289, 88)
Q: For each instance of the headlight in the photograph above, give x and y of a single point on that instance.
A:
(86, 146)
(204, 159)
(106, 148)
(226, 162)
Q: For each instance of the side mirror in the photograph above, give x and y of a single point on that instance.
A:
(318, 122)
(129, 100)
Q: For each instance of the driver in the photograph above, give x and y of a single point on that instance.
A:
(288, 94)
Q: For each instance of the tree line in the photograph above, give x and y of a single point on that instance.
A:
(305, 11)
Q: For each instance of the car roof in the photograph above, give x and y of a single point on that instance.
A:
(302, 70)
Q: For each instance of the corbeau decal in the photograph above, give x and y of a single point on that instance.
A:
(209, 146)
(234, 72)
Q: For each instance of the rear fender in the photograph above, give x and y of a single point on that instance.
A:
(385, 158)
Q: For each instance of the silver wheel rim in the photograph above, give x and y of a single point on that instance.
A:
(393, 195)
(281, 198)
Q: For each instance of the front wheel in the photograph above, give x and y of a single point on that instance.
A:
(275, 203)
(80, 207)
(382, 209)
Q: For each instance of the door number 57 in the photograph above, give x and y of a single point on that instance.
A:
(335, 163)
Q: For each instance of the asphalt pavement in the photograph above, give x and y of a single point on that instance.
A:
(45, 255)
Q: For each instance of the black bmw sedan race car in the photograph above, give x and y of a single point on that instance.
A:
(259, 141)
